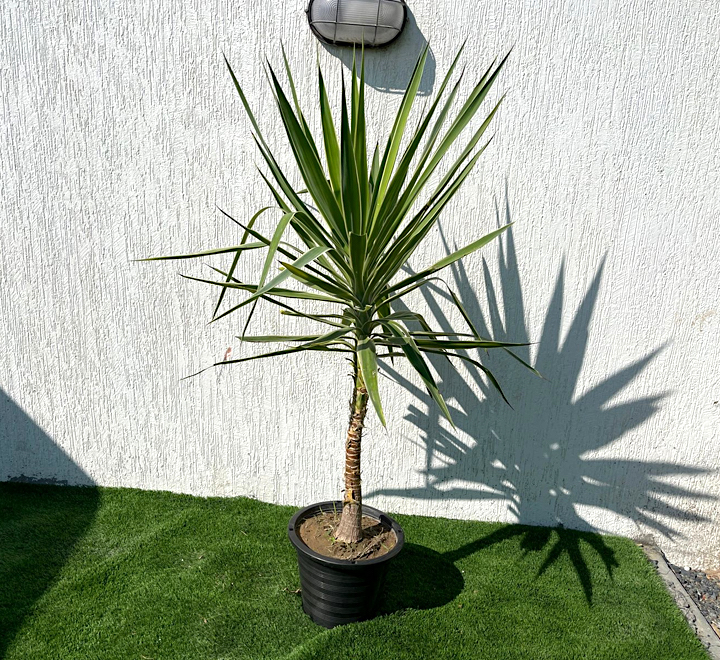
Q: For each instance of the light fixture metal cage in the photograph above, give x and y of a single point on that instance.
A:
(347, 22)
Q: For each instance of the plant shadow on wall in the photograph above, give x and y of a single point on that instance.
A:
(534, 457)
(390, 70)
(39, 525)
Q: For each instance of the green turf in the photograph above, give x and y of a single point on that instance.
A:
(118, 573)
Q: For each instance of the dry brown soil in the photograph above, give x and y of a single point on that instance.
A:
(318, 533)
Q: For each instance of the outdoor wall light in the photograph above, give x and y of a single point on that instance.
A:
(369, 22)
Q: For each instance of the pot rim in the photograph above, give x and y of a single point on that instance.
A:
(332, 505)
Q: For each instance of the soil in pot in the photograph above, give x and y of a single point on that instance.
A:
(318, 533)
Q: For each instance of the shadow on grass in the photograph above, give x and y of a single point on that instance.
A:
(536, 539)
(420, 578)
(39, 525)
(540, 460)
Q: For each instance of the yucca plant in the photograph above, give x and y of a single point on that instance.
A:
(346, 238)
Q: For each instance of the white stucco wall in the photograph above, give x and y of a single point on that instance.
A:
(121, 131)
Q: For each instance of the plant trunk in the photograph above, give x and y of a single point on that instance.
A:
(350, 528)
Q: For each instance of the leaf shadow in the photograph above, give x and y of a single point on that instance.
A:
(539, 460)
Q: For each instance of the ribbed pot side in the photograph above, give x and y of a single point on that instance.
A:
(338, 591)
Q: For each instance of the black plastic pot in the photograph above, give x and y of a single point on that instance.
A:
(337, 591)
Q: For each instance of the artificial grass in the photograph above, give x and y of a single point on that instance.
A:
(120, 573)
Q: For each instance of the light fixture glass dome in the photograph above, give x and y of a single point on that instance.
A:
(369, 22)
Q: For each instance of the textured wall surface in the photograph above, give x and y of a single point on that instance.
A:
(121, 131)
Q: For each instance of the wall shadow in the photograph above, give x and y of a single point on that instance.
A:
(39, 524)
(389, 68)
(534, 459)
